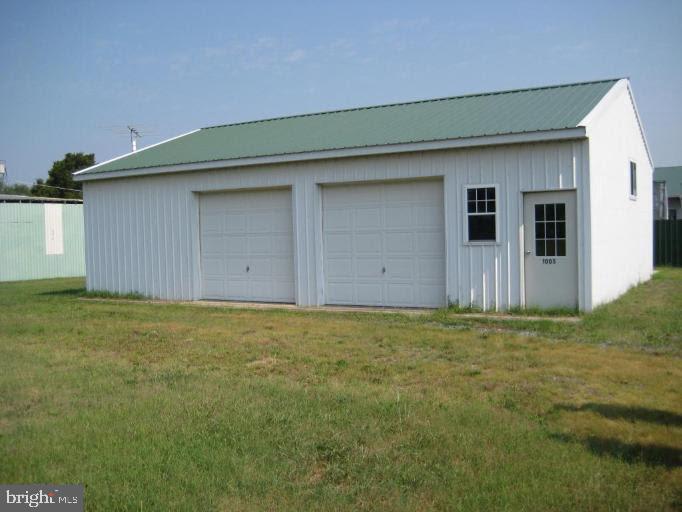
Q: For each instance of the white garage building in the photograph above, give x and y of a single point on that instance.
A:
(534, 197)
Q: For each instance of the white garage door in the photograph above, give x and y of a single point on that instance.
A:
(384, 244)
(246, 246)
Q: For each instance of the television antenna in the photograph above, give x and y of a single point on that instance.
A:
(134, 135)
(133, 132)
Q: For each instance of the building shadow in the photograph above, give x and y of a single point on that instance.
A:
(633, 453)
(625, 412)
(68, 292)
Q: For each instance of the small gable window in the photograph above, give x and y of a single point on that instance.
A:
(633, 179)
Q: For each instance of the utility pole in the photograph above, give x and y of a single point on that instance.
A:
(3, 172)
(134, 135)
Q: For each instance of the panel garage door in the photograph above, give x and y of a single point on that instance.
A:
(384, 244)
(246, 246)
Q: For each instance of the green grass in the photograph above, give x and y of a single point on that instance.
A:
(103, 294)
(648, 317)
(181, 407)
(515, 311)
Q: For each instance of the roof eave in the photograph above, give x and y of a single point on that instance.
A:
(125, 155)
(577, 132)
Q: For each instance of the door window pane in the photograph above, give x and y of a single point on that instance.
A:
(550, 232)
(539, 247)
(539, 212)
(550, 247)
(550, 229)
(560, 209)
(540, 230)
(561, 229)
(549, 212)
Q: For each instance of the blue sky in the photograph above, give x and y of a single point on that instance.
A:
(74, 73)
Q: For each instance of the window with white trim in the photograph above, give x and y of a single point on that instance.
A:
(633, 179)
(481, 210)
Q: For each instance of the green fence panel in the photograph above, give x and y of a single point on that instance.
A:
(23, 246)
(668, 242)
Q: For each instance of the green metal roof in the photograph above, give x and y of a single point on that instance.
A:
(672, 177)
(518, 111)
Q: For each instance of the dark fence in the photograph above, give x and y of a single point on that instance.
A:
(668, 242)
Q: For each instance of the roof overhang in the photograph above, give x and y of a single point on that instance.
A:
(488, 140)
(609, 97)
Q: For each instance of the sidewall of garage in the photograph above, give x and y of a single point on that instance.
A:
(142, 233)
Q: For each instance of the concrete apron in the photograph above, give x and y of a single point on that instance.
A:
(340, 309)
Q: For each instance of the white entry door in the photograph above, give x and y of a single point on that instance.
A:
(384, 244)
(246, 246)
(551, 249)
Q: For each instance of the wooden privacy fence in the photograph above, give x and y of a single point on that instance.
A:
(668, 242)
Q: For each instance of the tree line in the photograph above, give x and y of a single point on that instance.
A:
(59, 182)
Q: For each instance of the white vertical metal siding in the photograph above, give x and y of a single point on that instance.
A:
(142, 232)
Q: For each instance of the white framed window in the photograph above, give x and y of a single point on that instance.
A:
(480, 209)
(633, 180)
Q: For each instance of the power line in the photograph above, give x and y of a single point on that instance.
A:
(48, 186)
(60, 188)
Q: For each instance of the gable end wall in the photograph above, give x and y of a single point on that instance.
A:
(621, 226)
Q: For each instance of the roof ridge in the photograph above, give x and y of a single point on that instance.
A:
(415, 102)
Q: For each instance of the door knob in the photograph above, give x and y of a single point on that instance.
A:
(527, 253)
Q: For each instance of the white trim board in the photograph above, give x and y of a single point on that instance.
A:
(92, 167)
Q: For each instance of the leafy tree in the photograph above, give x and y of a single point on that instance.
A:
(61, 175)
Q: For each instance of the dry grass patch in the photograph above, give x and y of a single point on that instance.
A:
(251, 410)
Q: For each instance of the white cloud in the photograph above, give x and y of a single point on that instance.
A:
(400, 25)
(261, 53)
(295, 56)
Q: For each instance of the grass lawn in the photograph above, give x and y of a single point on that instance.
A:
(182, 407)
